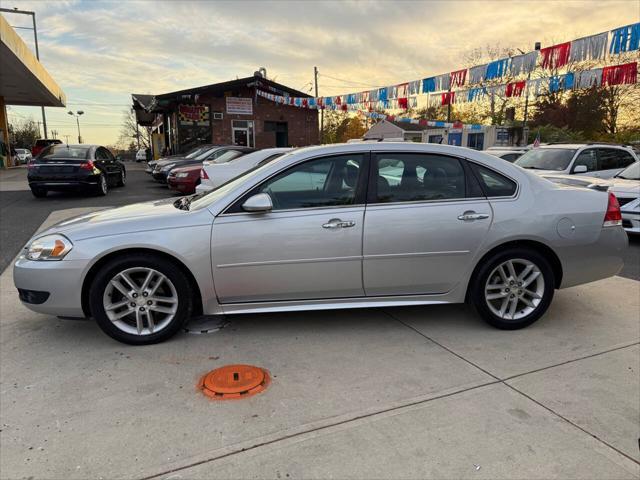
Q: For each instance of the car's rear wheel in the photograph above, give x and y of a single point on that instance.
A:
(512, 289)
(102, 188)
(39, 192)
(122, 180)
(140, 299)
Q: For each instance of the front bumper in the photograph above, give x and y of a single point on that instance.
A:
(159, 176)
(631, 222)
(61, 280)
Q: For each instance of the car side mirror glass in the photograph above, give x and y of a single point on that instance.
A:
(260, 202)
(118, 157)
(580, 169)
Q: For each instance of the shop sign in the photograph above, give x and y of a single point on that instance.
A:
(239, 105)
(193, 114)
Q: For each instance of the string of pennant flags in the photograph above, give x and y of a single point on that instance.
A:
(440, 88)
(610, 75)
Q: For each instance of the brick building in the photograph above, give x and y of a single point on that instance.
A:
(226, 113)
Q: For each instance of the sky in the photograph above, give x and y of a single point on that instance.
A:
(101, 52)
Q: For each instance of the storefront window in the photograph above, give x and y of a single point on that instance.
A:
(243, 133)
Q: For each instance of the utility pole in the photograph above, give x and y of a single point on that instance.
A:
(66, 137)
(315, 77)
(525, 130)
(449, 104)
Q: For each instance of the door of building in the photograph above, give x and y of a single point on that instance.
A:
(455, 139)
(242, 133)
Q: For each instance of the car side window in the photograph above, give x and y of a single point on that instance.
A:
(588, 158)
(409, 177)
(100, 155)
(622, 159)
(493, 183)
(607, 159)
(323, 182)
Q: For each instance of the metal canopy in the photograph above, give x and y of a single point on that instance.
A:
(23, 79)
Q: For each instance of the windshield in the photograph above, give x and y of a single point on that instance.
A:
(632, 172)
(546, 159)
(227, 156)
(204, 153)
(201, 200)
(55, 152)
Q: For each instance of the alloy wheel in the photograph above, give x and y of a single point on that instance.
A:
(103, 184)
(140, 301)
(514, 289)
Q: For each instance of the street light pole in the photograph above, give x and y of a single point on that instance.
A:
(35, 37)
(77, 115)
(315, 77)
(525, 131)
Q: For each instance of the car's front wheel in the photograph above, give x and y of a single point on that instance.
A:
(140, 299)
(512, 289)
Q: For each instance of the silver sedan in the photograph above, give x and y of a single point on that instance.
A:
(341, 226)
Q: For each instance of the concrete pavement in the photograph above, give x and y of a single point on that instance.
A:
(427, 392)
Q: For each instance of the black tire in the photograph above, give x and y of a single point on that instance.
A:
(167, 268)
(102, 187)
(481, 276)
(39, 192)
(122, 180)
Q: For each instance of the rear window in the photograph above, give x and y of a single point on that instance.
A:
(546, 159)
(64, 151)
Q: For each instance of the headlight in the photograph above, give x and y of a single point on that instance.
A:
(49, 247)
(182, 174)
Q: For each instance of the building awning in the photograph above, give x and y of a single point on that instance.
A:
(23, 79)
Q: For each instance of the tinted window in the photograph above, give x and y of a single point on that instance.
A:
(546, 159)
(101, 154)
(588, 158)
(510, 157)
(407, 177)
(612, 158)
(323, 182)
(494, 184)
(64, 151)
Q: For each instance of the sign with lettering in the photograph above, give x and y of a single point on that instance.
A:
(193, 114)
(239, 105)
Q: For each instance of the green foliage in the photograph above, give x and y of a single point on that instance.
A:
(24, 134)
(340, 127)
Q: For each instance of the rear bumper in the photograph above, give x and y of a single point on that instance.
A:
(63, 184)
(181, 186)
(631, 222)
(595, 261)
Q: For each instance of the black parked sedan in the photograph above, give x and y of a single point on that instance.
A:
(88, 168)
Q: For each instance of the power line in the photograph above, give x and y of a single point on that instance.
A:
(348, 81)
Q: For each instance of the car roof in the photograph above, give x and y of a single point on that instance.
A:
(575, 146)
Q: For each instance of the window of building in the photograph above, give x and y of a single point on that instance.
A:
(243, 133)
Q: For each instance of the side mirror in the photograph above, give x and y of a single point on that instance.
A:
(260, 202)
(118, 157)
(580, 169)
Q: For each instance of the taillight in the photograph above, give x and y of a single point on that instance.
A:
(203, 174)
(613, 216)
(87, 165)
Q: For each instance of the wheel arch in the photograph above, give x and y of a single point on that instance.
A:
(534, 245)
(95, 268)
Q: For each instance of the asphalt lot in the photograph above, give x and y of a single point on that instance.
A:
(21, 213)
(420, 392)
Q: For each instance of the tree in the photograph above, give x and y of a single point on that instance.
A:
(23, 134)
(131, 133)
(340, 127)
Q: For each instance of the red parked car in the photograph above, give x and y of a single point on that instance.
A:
(41, 144)
(184, 179)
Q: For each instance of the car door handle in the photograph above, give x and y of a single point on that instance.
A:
(471, 215)
(337, 223)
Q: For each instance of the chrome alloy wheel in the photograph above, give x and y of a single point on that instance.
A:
(103, 184)
(123, 178)
(514, 289)
(140, 301)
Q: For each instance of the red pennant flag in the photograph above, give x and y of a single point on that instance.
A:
(620, 74)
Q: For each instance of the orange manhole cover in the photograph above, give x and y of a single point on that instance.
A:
(234, 381)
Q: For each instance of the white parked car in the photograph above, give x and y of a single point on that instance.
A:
(24, 155)
(214, 174)
(595, 160)
(141, 155)
(625, 186)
